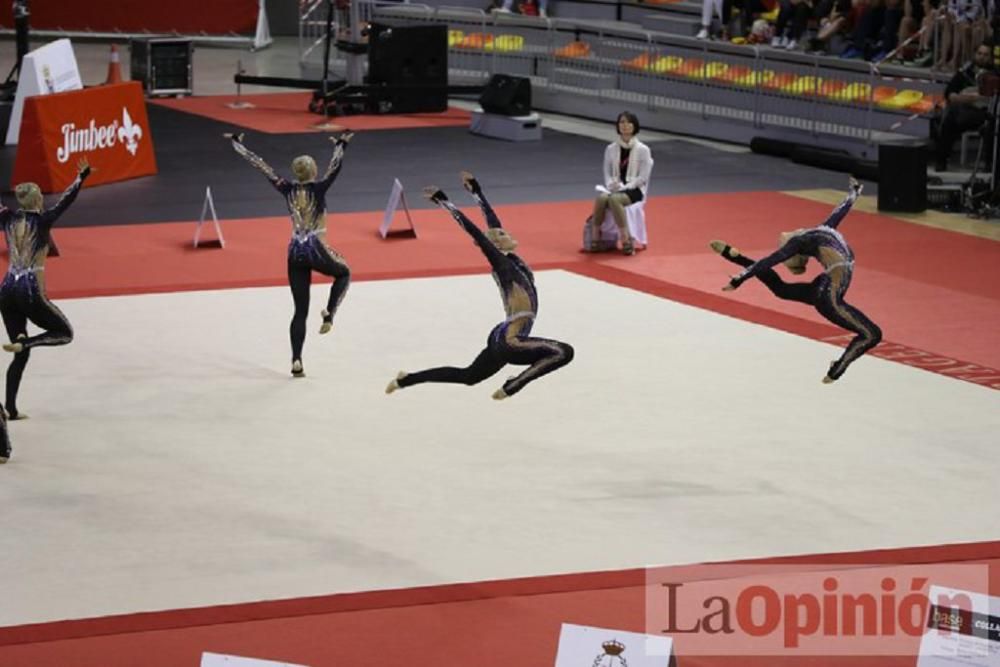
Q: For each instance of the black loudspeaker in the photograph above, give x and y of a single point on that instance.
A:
(163, 65)
(6, 108)
(775, 147)
(507, 96)
(902, 177)
(411, 62)
(824, 158)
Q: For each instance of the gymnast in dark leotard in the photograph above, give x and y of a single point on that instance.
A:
(510, 341)
(22, 293)
(308, 250)
(826, 292)
(5, 448)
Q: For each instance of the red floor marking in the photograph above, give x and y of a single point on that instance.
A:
(285, 113)
(944, 298)
(808, 328)
(492, 624)
(955, 368)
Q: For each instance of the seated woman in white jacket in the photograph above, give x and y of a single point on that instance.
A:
(627, 165)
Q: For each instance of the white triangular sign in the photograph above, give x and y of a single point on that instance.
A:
(396, 197)
(209, 205)
(222, 660)
(263, 36)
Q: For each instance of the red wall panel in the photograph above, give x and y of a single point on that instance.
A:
(214, 17)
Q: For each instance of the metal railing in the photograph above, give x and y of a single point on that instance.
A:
(759, 87)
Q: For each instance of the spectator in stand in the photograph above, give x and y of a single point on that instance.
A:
(867, 27)
(910, 22)
(526, 7)
(708, 8)
(962, 19)
(835, 18)
(965, 108)
(921, 15)
(888, 38)
(791, 24)
(750, 10)
(877, 32)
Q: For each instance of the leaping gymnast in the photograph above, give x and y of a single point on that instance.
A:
(22, 293)
(510, 341)
(308, 250)
(826, 292)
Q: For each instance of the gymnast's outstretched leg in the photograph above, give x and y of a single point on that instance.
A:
(299, 280)
(331, 263)
(801, 292)
(16, 324)
(832, 306)
(542, 356)
(56, 330)
(485, 365)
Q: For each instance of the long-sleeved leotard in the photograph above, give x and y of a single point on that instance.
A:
(22, 292)
(826, 291)
(510, 341)
(308, 250)
(5, 448)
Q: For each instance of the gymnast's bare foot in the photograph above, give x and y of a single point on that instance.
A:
(17, 345)
(327, 322)
(724, 249)
(297, 370)
(827, 379)
(394, 385)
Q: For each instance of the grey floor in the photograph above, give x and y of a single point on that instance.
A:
(563, 166)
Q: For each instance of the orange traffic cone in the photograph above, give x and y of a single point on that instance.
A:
(114, 67)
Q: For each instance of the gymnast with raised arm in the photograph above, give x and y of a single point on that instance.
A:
(826, 292)
(22, 293)
(308, 250)
(510, 342)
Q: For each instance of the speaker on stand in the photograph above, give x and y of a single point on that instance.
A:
(507, 95)
(902, 176)
(163, 65)
(505, 111)
(408, 68)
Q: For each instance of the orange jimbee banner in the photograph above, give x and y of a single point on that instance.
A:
(106, 124)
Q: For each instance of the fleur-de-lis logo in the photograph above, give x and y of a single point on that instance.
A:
(129, 132)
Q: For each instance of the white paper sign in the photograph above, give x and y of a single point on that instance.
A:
(396, 197)
(390, 207)
(583, 646)
(963, 629)
(220, 660)
(49, 69)
(208, 206)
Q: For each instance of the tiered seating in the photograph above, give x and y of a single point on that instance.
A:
(485, 41)
(573, 50)
(787, 83)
